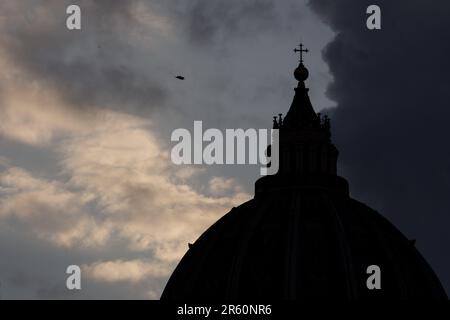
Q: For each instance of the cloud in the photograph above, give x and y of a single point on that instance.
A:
(98, 66)
(128, 271)
(137, 186)
(116, 184)
(32, 112)
(118, 170)
(221, 185)
(48, 209)
(208, 21)
(85, 176)
(390, 124)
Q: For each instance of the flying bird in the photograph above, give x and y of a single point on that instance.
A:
(180, 77)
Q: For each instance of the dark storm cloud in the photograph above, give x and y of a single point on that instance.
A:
(95, 66)
(392, 120)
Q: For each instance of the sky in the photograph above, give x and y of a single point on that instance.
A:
(86, 118)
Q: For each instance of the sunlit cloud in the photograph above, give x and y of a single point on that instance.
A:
(128, 271)
(116, 180)
(108, 194)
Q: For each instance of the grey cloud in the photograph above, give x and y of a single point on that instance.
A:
(97, 66)
(33, 270)
(218, 20)
(116, 60)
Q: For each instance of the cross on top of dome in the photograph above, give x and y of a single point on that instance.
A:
(300, 51)
(301, 72)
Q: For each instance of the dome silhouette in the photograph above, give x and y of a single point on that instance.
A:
(302, 235)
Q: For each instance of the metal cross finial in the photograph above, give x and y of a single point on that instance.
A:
(301, 50)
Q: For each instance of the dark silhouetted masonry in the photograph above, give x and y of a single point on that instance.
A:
(302, 235)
